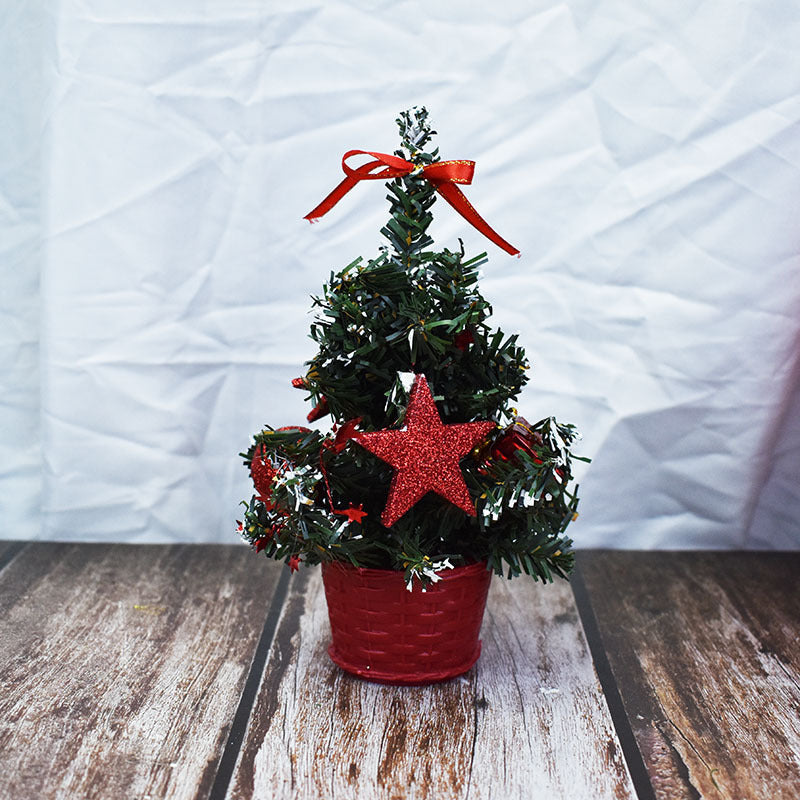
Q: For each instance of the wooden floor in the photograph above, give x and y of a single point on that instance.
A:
(202, 672)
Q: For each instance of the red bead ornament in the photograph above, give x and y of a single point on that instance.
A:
(426, 455)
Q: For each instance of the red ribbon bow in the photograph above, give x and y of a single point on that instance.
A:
(444, 175)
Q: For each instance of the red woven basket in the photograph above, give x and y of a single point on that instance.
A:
(383, 632)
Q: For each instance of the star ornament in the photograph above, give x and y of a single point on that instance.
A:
(425, 455)
(352, 513)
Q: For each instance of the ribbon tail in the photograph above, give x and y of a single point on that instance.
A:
(332, 199)
(457, 199)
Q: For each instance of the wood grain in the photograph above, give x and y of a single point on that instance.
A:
(121, 666)
(529, 721)
(705, 649)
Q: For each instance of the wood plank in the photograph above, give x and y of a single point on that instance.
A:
(121, 666)
(9, 549)
(705, 649)
(529, 721)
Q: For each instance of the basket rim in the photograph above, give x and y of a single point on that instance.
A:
(475, 567)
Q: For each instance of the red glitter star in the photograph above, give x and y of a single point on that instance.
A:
(426, 455)
(294, 563)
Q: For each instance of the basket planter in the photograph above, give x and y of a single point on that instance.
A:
(385, 633)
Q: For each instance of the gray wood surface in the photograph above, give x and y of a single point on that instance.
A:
(9, 549)
(705, 650)
(529, 721)
(121, 667)
(123, 675)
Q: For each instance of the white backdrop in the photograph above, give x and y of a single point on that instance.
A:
(158, 158)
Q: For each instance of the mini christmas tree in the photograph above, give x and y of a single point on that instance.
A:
(427, 464)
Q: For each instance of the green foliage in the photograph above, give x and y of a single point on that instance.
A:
(414, 310)
(383, 318)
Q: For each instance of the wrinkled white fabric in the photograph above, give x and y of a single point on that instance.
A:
(21, 93)
(157, 274)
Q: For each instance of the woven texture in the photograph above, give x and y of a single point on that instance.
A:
(385, 633)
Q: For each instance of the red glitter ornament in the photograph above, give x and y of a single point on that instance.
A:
(263, 474)
(294, 563)
(426, 455)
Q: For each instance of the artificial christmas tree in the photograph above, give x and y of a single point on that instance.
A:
(427, 470)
